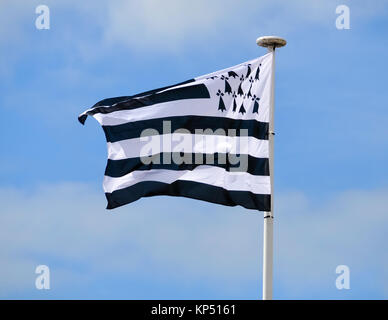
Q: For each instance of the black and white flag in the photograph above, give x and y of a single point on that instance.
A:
(206, 138)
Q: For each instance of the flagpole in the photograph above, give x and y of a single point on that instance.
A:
(271, 43)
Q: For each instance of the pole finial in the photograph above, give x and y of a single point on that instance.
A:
(271, 42)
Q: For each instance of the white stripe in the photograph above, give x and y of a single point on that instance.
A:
(189, 107)
(215, 176)
(188, 143)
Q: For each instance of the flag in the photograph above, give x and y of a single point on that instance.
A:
(205, 138)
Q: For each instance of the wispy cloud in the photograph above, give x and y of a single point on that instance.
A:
(173, 25)
(66, 227)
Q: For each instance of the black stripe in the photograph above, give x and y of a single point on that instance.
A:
(189, 189)
(112, 101)
(134, 129)
(196, 91)
(255, 166)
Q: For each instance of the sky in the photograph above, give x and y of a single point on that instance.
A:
(331, 177)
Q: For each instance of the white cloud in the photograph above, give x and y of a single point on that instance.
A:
(172, 25)
(68, 223)
(166, 24)
(313, 239)
(66, 227)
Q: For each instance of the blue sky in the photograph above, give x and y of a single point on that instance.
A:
(331, 184)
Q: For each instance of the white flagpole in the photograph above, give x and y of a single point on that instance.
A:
(271, 43)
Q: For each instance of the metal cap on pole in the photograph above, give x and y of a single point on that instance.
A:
(270, 42)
